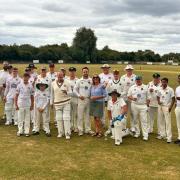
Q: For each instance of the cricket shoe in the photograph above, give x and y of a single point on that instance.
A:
(136, 135)
(117, 142)
(35, 133)
(169, 141)
(80, 133)
(160, 137)
(7, 123)
(48, 134)
(145, 138)
(68, 136)
(90, 132)
(177, 141)
(59, 136)
(108, 132)
(19, 134)
(15, 124)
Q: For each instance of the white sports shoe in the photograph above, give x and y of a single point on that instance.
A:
(90, 132)
(117, 142)
(15, 124)
(80, 133)
(7, 123)
(136, 135)
(108, 132)
(145, 138)
(169, 140)
(68, 137)
(160, 137)
(59, 136)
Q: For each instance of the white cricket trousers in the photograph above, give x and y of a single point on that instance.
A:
(132, 121)
(140, 111)
(177, 112)
(164, 118)
(63, 119)
(152, 114)
(45, 119)
(83, 113)
(11, 112)
(24, 120)
(118, 131)
(74, 109)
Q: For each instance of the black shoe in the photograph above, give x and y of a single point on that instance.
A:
(48, 134)
(36, 133)
(177, 141)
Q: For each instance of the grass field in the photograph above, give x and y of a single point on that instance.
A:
(39, 157)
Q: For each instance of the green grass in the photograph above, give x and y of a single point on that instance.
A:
(39, 157)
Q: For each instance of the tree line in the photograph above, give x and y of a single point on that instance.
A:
(83, 49)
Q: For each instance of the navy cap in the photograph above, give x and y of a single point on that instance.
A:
(72, 69)
(156, 75)
(138, 77)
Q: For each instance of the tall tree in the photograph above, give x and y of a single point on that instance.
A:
(84, 43)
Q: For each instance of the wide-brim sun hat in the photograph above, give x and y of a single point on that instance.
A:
(114, 92)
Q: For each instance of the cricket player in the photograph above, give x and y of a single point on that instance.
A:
(42, 77)
(24, 102)
(137, 94)
(113, 84)
(105, 77)
(127, 81)
(52, 75)
(82, 90)
(74, 99)
(4, 75)
(177, 110)
(32, 68)
(117, 108)
(60, 99)
(153, 87)
(9, 95)
(166, 101)
(42, 101)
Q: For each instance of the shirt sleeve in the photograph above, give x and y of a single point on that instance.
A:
(108, 106)
(76, 89)
(18, 89)
(52, 95)
(129, 92)
(177, 92)
(172, 93)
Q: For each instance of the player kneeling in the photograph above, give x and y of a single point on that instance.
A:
(117, 109)
(42, 101)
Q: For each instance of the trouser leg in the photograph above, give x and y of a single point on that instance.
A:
(143, 118)
(135, 112)
(21, 116)
(59, 118)
(167, 117)
(87, 117)
(8, 112)
(46, 121)
(177, 112)
(118, 132)
(66, 119)
(81, 109)
(37, 120)
(161, 121)
(27, 120)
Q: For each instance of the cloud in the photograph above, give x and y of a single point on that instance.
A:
(125, 25)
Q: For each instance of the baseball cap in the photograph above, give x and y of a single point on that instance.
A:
(72, 69)
(105, 66)
(138, 77)
(156, 75)
(129, 66)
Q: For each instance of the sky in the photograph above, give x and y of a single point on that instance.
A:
(123, 25)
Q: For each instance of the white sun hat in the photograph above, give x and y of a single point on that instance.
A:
(129, 66)
(105, 66)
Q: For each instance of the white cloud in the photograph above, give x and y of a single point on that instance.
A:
(125, 25)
